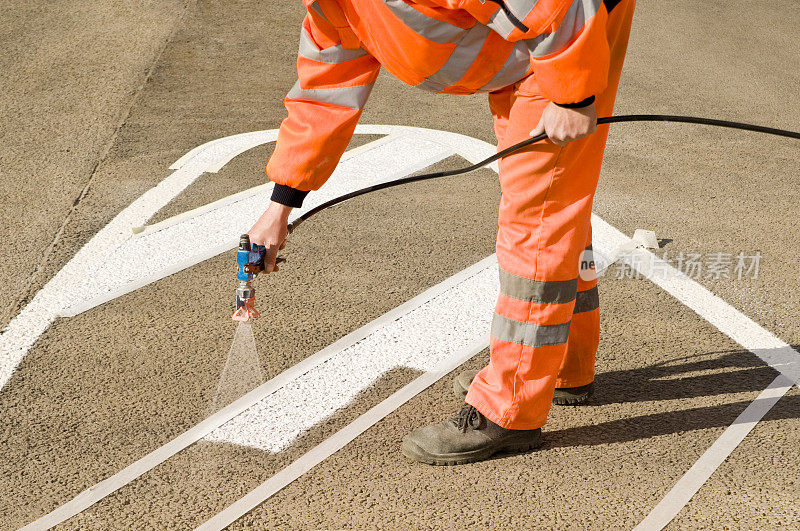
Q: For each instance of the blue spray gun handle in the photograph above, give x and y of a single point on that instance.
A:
(250, 258)
(250, 261)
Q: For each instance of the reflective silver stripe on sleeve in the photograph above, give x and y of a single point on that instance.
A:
(333, 55)
(521, 8)
(460, 60)
(528, 334)
(425, 26)
(579, 12)
(500, 23)
(515, 68)
(351, 97)
(542, 291)
(586, 301)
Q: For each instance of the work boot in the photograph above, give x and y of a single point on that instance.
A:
(566, 396)
(466, 438)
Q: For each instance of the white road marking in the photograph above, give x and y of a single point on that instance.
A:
(338, 440)
(688, 485)
(389, 158)
(208, 231)
(730, 321)
(90, 277)
(727, 319)
(421, 339)
(26, 327)
(213, 156)
(376, 328)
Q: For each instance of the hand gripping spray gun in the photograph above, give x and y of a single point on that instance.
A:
(250, 259)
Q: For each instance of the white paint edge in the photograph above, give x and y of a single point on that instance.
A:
(688, 485)
(189, 214)
(337, 441)
(113, 483)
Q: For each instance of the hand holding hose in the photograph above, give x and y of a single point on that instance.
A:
(564, 125)
(271, 231)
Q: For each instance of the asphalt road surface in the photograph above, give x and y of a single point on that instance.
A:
(99, 100)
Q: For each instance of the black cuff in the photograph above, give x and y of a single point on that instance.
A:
(578, 105)
(286, 195)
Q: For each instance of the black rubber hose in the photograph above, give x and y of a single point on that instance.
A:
(532, 140)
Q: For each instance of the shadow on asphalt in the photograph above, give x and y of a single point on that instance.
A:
(738, 371)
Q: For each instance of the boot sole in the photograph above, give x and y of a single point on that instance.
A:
(560, 398)
(415, 453)
(572, 400)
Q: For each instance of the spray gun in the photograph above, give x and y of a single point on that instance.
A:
(250, 259)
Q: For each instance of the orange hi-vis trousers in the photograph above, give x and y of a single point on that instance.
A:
(546, 325)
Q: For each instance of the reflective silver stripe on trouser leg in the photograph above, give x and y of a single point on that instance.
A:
(539, 291)
(351, 97)
(425, 26)
(460, 60)
(333, 55)
(533, 291)
(529, 334)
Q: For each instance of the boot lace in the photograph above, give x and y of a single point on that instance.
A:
(468, 417)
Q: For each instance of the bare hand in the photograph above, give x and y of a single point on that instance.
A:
(271, 231)
(564, 125)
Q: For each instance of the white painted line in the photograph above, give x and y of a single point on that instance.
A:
(727, 319)
(263, 189)
(686, 487)
(730, 321)
(341, 438)
(421, 339)
(377, 327)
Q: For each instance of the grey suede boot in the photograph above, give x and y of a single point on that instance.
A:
(466, 438)
(568, 396)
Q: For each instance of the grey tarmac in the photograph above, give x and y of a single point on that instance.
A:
(129, 87)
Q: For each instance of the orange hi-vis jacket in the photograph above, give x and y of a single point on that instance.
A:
(446, 46)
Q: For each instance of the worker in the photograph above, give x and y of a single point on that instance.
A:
(548, 66)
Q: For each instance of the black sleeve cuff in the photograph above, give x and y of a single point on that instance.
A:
(578, 105)
(286, 195)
